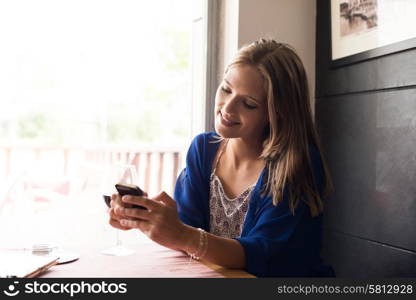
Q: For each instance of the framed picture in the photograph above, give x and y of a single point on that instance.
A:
(364, 29)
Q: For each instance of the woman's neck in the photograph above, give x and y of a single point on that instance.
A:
(242, 153)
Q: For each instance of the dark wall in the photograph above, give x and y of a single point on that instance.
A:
(366, 116)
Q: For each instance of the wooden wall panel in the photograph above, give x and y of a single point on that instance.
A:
(366, 116)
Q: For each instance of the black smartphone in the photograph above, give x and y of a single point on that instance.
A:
(107, 200)
(130, 189)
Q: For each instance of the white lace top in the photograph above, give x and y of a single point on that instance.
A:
(226, 215)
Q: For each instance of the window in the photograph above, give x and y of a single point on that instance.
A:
(85, 83)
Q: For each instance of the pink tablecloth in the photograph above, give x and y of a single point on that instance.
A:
(150, 260)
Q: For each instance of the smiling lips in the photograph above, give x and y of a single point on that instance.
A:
(226, 122)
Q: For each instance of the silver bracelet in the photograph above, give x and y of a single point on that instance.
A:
(202, 246)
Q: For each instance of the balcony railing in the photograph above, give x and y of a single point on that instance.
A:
(157, 168)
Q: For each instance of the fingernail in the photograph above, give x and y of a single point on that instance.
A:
(126, 198)
(123, 222)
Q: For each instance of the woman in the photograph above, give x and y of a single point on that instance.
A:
(251, 194)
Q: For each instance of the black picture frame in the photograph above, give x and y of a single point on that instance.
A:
(375, 52)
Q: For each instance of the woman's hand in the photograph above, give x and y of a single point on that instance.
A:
(166, 200)
(114, 218)
(159, 221)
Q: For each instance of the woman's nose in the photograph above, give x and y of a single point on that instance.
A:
(229, 105)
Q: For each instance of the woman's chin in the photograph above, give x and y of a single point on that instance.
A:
(226, 133)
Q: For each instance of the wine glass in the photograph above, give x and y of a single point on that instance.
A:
(120, 173)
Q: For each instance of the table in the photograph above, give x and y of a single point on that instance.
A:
(150, 260)
(81, 225)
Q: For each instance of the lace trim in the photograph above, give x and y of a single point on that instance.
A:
(227, 215)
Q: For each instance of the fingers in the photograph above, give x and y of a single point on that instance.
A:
(116, 200)
(115, 220)
(139, 224)
(117, 225)
(121, 211)
(166, 200)
(118, 212)
(137, 213)
(117, 206)
(141, 201)
(113, 215)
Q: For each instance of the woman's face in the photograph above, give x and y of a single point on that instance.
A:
(240, 104)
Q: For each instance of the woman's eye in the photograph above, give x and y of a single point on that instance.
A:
(225, 90)
(249, 106)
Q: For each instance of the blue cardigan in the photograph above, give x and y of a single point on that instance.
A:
(276, 242)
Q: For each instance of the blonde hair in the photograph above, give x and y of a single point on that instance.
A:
(291, 129)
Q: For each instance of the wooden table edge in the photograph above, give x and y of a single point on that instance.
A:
(227, 272)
